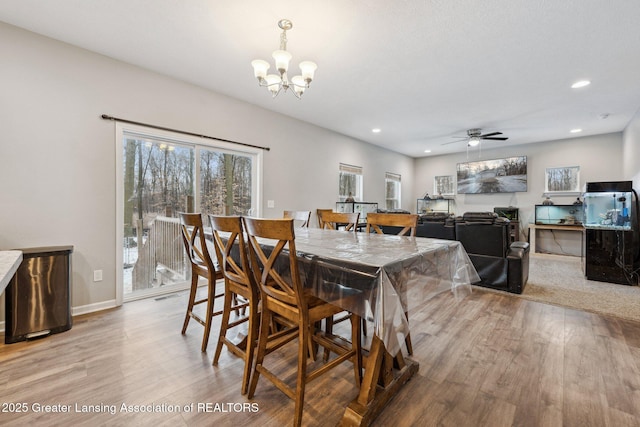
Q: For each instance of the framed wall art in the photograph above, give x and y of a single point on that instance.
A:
(443, 186)
(562, 180)
(493, 176)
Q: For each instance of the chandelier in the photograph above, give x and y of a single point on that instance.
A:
(276, 83)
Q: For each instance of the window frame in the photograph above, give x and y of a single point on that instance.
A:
(122, 129)
(357, 172)
(396, 179)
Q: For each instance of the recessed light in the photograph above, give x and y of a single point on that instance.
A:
(581, 83)
(376, 130)
(575, 130)
(427, 151)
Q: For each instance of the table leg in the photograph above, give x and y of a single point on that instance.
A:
(381, 382)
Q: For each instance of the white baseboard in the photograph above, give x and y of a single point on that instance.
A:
(92, 308)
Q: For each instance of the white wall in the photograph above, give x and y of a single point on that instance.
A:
(631, 151)
(57, 156)
(599, 158)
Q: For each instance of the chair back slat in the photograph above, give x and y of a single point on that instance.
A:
(409, 222)
(304, 216)
(194, 240)
(285, 287)
(226, 247)
(319, 213)
(331, 220)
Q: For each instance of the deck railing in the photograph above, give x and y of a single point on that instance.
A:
(162, 255)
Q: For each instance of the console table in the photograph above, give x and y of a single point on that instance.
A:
(9, 263)
(573, 228)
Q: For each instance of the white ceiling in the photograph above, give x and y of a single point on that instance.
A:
(421, 70)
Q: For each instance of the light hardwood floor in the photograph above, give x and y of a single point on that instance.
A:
(487, 360)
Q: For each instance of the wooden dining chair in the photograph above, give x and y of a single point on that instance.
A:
(282, 293)
(319, 213)
(201, 266)
(231, 251)
(334, 220)
(331, 221)
(304, 216)
(408, 222)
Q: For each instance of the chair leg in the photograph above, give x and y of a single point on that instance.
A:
(265, 324)
(356, 333)
(313, 346)
(328, 327)
(211, 298)
(224, 324)
(303, 339)
(252, 335)
(192, 299)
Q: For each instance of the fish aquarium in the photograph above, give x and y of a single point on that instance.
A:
(559, 214)
(424, 206)
(352, 207)
(609, 205)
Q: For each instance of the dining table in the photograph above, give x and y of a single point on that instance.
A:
(381, 278)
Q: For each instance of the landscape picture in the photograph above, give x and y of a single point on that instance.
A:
(443, 185)
(507, 175)
(566, 179)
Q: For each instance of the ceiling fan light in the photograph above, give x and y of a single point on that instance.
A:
(473, 141)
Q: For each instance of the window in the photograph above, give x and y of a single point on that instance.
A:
(350, 182)
(161, 174)
(392, 190)
(225, 183)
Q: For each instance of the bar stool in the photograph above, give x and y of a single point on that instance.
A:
(333, 220)
(409, 222)
(201, 266)
(238, 281)
(303, 216)
(282, 294)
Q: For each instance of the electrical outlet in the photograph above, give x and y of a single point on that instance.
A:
(271, 203)
(97, 275)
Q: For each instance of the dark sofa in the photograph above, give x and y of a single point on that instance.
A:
(437, 226)
(500, 265)
(485, 237)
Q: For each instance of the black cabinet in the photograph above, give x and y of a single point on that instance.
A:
(612, 238)
(610, 255)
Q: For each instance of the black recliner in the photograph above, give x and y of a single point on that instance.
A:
(500, 265)
(437, 225)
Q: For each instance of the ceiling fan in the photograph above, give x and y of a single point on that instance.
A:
(474, 136)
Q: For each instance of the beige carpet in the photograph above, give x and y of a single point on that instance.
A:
(561, 281)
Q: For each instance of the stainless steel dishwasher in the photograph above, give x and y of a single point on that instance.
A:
(38, 298)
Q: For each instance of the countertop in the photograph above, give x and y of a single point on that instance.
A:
(9, 263)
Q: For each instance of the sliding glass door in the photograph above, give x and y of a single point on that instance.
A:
(160, 176)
